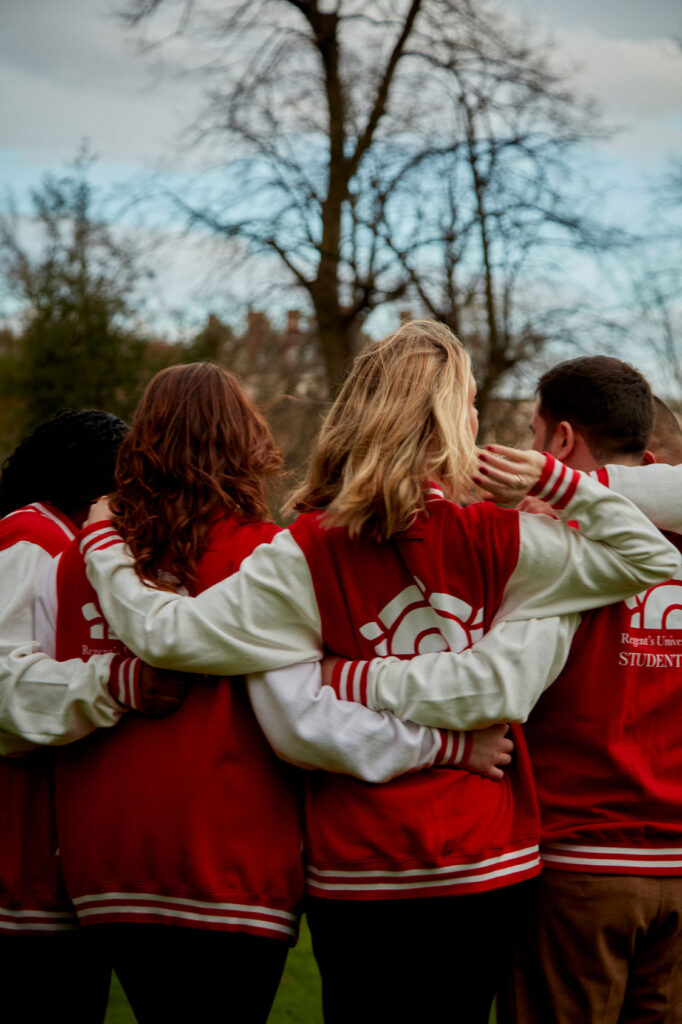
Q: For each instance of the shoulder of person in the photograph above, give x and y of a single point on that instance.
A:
(38, 524)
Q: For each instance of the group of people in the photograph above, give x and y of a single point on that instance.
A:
(168, 667)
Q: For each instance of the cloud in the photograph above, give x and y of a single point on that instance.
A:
(639, 78)
(611, 19)
(70, 75)
(637, 84)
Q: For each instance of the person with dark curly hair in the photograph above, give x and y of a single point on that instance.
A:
(46, 488)
(64, 462)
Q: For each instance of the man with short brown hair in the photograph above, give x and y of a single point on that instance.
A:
(604, 940)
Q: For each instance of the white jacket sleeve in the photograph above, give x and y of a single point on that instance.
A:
(265, 616)
(307, 725)
(503, 675)
(42, 702)
(616, 552)
(499, 679)
(262, 617)
(655, 489)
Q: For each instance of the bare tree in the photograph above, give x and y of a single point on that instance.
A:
(486, 252)
(381, 149)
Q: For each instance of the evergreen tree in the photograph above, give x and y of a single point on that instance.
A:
(80, 345)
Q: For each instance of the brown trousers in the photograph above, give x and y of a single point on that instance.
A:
(598, 949)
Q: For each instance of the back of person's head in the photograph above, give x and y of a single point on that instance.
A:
(608, 401)
(665, 443)
(68, 461)
(197, 447)
(400, 420)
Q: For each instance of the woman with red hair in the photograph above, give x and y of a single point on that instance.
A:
(181, 843)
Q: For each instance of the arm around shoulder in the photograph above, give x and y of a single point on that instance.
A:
(262, 617)
(309, 726)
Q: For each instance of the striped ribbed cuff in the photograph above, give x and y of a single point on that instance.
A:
(124, 681)
(98, 536)
(455, 748)
(557, 483)
(349, 680)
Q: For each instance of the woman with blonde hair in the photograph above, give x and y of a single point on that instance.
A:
(412, 884)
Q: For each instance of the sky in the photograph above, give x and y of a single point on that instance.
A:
(68, 72)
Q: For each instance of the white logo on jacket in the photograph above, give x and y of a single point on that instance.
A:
(99, 627)
(657, 608)
(415, 622)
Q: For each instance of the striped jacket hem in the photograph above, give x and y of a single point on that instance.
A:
(150, 908)
(613, 860)
(13, 922)
(462, 877)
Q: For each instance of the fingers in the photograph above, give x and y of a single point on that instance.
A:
(507, 473)
(536, 506)
(497, 470)
(162, 706)
(162, 692)
(505, 746)
(492, 752)
(506, 463)
(99, 511)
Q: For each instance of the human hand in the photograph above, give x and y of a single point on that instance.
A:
(162, 691)
(507, 474)
(327, 665)
(490, 748)
(536, 506)
(99, 511)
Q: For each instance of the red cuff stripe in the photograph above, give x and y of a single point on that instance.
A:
(446, 744)
(350, 680)
(104, 544)
(602, 475)
(455, 748)
(339, 673)
(467, 750)
(124, 681)
(338, 677)
(361, 677)
(557, 483)
(103, 536)
(568, 493)
(548, 469)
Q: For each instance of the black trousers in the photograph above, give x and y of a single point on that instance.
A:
(57, 977)
(176, 975)
(414, 960)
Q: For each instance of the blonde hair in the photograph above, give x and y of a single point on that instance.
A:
(400, 421)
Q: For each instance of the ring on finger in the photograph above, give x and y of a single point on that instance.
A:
(519, 482)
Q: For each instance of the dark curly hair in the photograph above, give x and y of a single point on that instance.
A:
(197, 448)
(68, 461)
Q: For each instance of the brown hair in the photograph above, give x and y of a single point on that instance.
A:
(197, 448)
(401, 420)
(607, 400)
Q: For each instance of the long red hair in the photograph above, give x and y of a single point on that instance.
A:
(197, 448)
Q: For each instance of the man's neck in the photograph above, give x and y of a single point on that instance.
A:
(585, 461)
